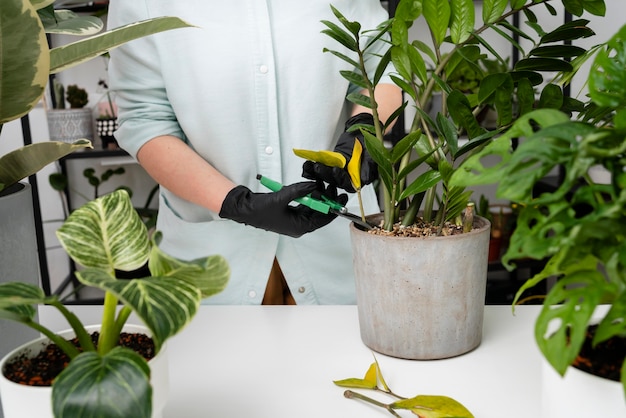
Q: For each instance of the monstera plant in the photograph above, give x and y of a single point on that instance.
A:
(26, 61)
(106, 235)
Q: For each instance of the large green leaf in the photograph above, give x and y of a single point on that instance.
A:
(24, 59)
(80, 51)
(17, 300)
(209, 274)
(106, 233)
(437, 14)
(28, 160)
(432, 406)
(462, 22)
(115, 385)
(164, 304)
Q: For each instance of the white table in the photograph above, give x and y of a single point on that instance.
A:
(275, 362)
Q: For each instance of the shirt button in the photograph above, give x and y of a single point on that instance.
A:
(269, 150)
(252, 294)
(263, 69)
(301, 289)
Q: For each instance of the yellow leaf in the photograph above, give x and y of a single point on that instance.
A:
(329, 158)
(354, 166)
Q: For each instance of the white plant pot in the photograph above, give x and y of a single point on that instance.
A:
(21, 401)
(68, 125)
(580, 394)
(421, 298)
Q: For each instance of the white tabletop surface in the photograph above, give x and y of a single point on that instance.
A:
(275, 362)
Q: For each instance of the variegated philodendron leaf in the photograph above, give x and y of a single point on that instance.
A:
(209, 274)
(17, 300)
(106, 233)
(116, 385)
(164, 304)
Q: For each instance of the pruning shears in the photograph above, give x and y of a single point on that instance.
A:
(323, 205)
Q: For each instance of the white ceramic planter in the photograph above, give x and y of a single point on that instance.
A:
(580, 394)
(421, 299)
(21, 401)
(68, 125)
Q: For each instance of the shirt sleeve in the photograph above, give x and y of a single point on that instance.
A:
(144, 111)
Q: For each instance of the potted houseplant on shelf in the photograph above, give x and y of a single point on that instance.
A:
(580, 228)
(104, 379)
(106, 122)
(413, 321)
(25, 64)
(69, 125)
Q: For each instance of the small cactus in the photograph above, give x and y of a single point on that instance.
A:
(76, 96)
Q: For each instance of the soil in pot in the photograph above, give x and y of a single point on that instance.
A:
(605, 359)
(419, 229)
(42, 369)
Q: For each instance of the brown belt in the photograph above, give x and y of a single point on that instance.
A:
(277, 292)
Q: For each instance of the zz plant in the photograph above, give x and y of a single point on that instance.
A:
(420, 68)
(106, 235)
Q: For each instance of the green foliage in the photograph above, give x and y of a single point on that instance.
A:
(424, 406)
(470, 64)
(77, 97)
(106, 235)
(580, 228)
(26, 62)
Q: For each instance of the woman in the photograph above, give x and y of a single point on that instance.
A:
(206, 109)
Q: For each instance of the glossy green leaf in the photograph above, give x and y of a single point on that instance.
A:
(329, 158)
(437, 14)
(116, 385)
(28, 160)
(422, 183)
(543, 64)
(577, 29)
(462, 20)
(551, 97)
(562, 51)
(106, 233)
(493, 10)
(428, 406)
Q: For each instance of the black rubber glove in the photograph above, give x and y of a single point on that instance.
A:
(339, 177)
(272, 211)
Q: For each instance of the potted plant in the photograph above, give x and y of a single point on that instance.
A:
(106, 122)
(388, 314)
(579, 228)
(69, 125)
(25, 64)
(104, 236)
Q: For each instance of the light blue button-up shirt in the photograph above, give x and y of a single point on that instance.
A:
(246, 86)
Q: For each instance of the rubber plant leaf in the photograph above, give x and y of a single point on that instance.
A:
(354, 165)
(428, 406)
(329, 158)
(121, 374)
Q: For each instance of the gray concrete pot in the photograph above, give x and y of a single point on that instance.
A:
(18, 257)
(421, 298)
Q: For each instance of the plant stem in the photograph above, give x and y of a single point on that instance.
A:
(355, 395)
(108, 335)
(84, 338)
(67, 347)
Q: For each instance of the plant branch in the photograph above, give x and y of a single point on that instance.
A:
(355, 395)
